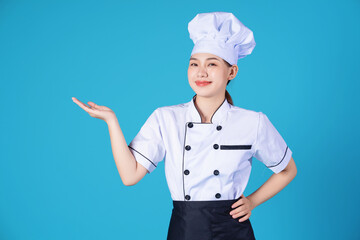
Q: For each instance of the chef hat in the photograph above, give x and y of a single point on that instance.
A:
(221, 34)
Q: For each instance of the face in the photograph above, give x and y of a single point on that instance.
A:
(208, 74)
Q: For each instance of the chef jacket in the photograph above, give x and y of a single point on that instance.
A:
(208, 161)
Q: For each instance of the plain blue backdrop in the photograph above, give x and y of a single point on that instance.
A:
(58, 178)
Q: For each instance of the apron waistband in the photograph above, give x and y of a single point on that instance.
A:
(201, 204)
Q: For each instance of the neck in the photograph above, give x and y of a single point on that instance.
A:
(207, 106)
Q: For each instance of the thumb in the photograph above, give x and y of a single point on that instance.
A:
(93, 105)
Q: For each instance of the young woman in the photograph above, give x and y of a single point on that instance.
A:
(207, 143)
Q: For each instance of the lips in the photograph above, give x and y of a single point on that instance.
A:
(202, 83)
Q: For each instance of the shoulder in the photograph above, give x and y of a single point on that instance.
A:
(172, 109)
(245, 113)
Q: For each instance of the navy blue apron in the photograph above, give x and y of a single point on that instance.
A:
(207, 220)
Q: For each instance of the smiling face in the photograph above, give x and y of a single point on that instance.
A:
(208, 74)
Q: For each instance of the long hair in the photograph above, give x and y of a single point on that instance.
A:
(227, 94)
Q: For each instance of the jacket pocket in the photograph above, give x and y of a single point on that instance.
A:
(234, 147)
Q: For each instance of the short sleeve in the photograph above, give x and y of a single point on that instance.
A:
(148, 146)
(269, 147)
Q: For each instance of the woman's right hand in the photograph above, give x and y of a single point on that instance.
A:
(96, 111)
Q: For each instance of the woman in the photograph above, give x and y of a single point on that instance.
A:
(208, 143)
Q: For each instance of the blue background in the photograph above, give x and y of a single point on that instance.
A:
(58, 178)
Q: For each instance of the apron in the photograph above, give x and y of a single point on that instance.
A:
(207, 220)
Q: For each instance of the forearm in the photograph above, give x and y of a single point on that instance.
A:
(124, 159)
(271, 187)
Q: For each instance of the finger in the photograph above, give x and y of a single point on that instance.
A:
(94, 105)
(238, 203)
(237, 210)
(240, 214)
(80, 103)
(87, 108)
(75, 100)
(245, 217)
(84, 106)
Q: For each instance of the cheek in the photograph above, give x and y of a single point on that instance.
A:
(189, 75)
(190, 71)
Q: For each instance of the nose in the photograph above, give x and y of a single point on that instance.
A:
(201, 72)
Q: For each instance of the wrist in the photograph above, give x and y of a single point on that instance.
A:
(111, 120)
(252, 202)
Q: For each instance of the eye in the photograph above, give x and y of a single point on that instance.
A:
(194, 64)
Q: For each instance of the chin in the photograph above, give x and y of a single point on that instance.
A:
(204, 94)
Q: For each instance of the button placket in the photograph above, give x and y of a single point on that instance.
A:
(191, 143)
(216, 172)
(188, 148)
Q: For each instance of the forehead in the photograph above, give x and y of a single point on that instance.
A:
(204, 56)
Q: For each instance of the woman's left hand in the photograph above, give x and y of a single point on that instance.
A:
(244, 210)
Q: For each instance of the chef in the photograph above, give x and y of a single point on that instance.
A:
(208, 143)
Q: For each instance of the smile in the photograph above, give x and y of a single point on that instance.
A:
(202, 83)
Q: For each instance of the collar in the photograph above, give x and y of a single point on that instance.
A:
(217, 117)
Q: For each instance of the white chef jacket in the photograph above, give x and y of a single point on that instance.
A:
(208, 161)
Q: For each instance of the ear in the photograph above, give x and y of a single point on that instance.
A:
(233, 71)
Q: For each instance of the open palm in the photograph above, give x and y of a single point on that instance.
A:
(96, 111)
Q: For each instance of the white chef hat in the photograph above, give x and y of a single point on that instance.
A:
(221, 34)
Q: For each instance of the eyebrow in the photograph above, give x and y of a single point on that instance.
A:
(206, 59)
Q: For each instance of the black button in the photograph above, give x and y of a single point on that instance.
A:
(218, 128)
(187, 147)
(218, 195)
(216, 146)
(216, 172)
(190, 125)
(187, 197)
(186, 172)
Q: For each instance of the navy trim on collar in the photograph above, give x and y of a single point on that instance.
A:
(217, 117)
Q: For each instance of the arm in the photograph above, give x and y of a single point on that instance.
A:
(273, 185)
(131, 172)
